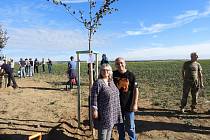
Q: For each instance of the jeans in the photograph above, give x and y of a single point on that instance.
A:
(27, 69)
(50, 68)
(31, 71)
(128, 126)
(104, 134)
(22, 72)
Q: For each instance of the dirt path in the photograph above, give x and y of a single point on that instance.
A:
(37, 106)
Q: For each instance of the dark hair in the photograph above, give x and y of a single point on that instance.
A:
(194, 54)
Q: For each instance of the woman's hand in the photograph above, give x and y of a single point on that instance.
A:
(134, 108)
(95, 114)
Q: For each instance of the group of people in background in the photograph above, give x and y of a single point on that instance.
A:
(28, 67)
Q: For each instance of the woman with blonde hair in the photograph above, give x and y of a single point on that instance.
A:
(105, 103)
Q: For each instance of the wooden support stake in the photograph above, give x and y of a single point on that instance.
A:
(38, 135)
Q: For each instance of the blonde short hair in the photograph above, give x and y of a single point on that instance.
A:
(102, 68)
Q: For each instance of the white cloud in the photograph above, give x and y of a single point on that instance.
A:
(44, 43)
(52, 43)
(196, 30)
(174, 52)
(46, 37)
(187, 14)
(24, 14)
(180, 20)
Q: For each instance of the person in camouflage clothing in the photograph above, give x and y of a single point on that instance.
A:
(193, 81)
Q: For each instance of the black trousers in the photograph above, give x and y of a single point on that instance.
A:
(11, 78)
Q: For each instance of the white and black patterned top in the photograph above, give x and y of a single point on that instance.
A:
(106, 99)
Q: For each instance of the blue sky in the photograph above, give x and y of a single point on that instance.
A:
(140, 30)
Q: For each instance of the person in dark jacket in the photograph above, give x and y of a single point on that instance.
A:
(104, 59)
(6, 68)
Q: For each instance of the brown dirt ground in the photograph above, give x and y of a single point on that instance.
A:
(37, 106)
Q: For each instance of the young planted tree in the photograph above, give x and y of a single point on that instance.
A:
(3, 38)
(90, 19)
